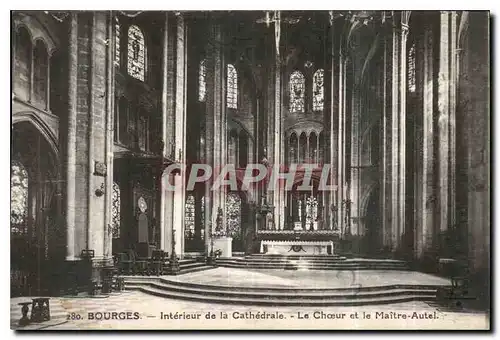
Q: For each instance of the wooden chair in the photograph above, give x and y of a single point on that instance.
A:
(139, 266)
(124, 264)
(158, 263)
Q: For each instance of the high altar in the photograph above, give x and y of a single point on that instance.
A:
(306, 232)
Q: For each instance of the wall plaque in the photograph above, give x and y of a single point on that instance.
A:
(100, 169)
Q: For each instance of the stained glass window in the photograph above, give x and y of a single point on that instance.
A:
(297, 89)
(318, 90)
(19, 198)
(232, 87)
(202, 82)
(117, 42)
(115, 211)
(411, 69)
(136, 53)
(202, 217)
(189, 221)
(233, 215)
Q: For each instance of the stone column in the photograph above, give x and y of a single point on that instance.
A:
(110, 102)
(340, 144)
(443, 120)
(71, 251)
(278, 193)
(387, 146)
(180, 133)
(216, 130)
(395, 125)
(425, 234)
(87, 135)
(453, 109)
(168, 120)
(405, 17)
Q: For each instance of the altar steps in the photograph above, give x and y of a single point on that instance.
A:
(191, 266)
(281, 296)
(311, 263)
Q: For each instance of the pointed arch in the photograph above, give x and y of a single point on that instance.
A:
(318, 90)
(297, 92)
(232, 87)
(136, 53)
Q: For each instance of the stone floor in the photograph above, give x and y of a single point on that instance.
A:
(237, 277)
(76, 314)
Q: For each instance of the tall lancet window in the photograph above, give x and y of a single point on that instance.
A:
(117, 42)
(189, 217)
(115, 211)
(297, 89)
(202, 81)
(136, 53)
(318, 90)
(232, 87)
(18, 198)
(233, 215)
(412, 84)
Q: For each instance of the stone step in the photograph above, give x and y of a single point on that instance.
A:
(191, 265)
(285, 260)
(195, 269)
(293, 256)
(186, 261)
(288, 290)
(309, 265)
(270, 300)
(284, 294)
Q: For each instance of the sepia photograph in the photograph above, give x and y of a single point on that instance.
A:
(250, 170)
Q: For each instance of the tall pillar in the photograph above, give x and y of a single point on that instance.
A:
(425, 234)
(341, 180)
(168, 137)
(387, 146)
(179, 194)
(88, 141)
(395, 138)
(278, 193)
(71, 250)
(110, 102)
(405, 17)
(453, 109)
(216, 129)
(443, 120)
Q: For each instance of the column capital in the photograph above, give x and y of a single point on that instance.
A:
(404, 29)
(405, 19)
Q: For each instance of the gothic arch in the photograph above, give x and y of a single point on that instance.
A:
(463, 28)
(37, 31)
(235, 124)
(48, 134)
(365, 198)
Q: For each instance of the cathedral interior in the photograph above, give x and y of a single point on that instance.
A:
(396, 103)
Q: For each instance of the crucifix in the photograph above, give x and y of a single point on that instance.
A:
(277, 20)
